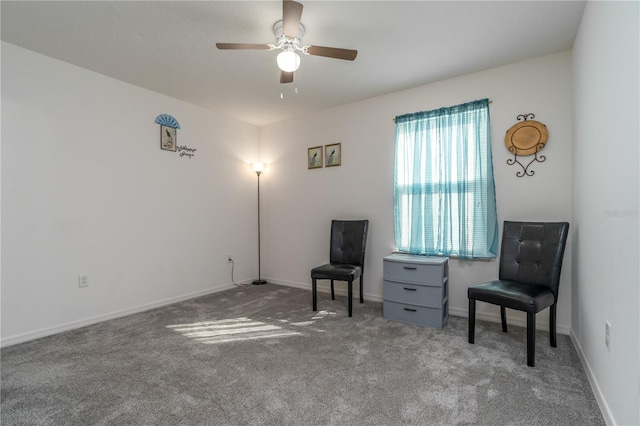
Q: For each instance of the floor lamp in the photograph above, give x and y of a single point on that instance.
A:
(259, 168)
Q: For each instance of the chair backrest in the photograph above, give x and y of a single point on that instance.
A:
(348, 241)
(532, 252)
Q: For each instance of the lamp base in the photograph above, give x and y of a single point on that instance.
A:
(259, 282)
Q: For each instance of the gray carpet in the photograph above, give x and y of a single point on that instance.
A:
(258, 355)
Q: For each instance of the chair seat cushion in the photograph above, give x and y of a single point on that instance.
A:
(336, 271)
(514, 295)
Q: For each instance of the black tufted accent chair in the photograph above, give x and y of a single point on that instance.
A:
(529, 276)
(346, 260)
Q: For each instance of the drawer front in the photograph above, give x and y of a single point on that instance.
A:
(411, 314)
(421, 295)
(414, 272)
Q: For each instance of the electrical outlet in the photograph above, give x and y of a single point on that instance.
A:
(229, 258)
(607, 334)
(83, 280)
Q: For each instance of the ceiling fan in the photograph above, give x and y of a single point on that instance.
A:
(289, 32)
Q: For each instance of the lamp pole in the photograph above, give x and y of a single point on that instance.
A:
(259, 281)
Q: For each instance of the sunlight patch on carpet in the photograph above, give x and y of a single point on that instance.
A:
(231, 330)
(322, 314)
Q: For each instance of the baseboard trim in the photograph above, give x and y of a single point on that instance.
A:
(44, 332)
(597, 392)
(520, 322)
(325, 287)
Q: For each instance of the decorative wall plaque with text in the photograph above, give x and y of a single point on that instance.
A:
(169, 136)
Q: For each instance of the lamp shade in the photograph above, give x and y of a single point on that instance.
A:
(258, 167)
(288, 61)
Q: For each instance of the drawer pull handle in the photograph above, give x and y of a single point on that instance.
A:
(410, 289)
(410, 310)
(410, 268)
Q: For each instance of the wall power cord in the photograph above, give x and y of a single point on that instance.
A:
(233, 264)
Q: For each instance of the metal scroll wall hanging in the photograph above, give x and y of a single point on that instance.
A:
(526, 138)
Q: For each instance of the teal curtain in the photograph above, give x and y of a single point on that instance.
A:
(444, 192)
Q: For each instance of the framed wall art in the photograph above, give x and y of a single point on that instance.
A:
(333, 155)
(314, 157)
(168, 136)
(168, 132)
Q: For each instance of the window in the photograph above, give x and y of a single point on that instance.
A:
(444, 192)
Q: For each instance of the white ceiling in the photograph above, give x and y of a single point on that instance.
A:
(169, 47)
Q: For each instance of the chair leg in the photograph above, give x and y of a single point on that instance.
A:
(531, 339)
(350, 291)
(552, 326)
(503, 317)
(314, 293)
(361, 295)
(472, 320)
(333, 295)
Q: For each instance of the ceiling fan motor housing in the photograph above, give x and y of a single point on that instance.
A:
(285, 42)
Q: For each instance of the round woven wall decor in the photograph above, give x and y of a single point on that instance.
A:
(526, 137)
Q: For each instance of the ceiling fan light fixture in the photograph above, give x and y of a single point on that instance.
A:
(289, 32)
(288, 61)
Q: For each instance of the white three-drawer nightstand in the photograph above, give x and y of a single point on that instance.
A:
(416, 289)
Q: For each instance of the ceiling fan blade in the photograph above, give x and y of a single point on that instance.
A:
(332, 52)
(286, 77)
(242, 46)
(291, 15)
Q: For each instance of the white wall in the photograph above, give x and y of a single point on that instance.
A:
(299, 203)
(86, 189)
(606, 59)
